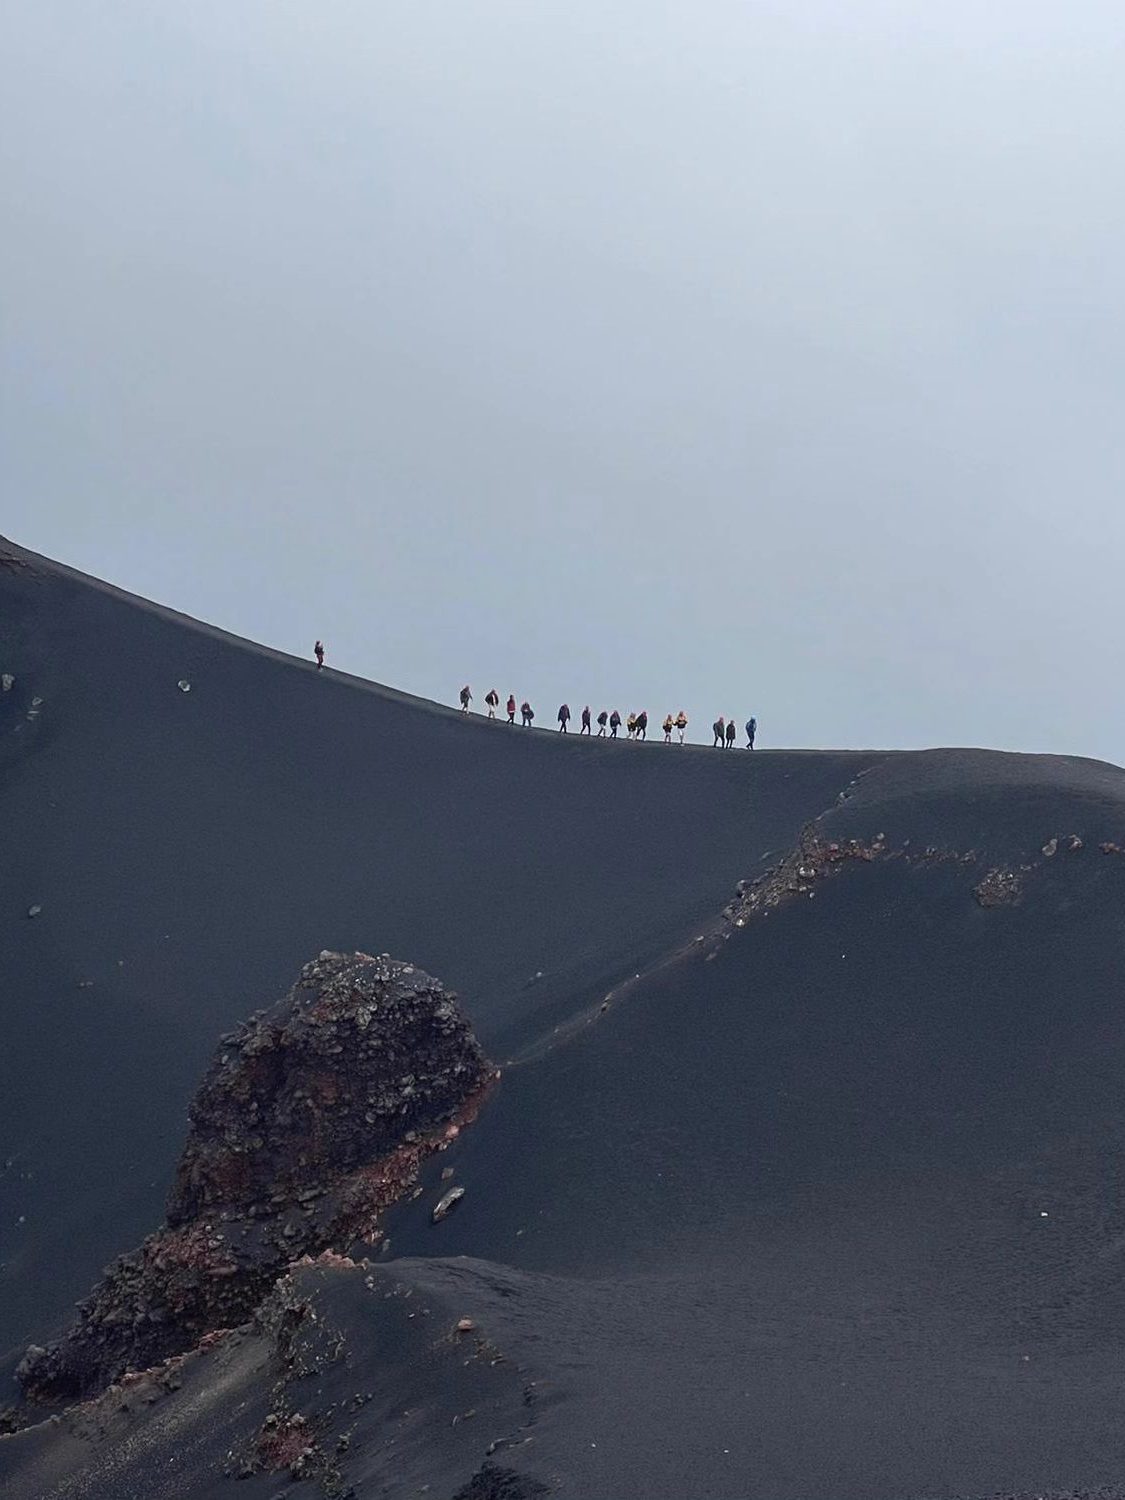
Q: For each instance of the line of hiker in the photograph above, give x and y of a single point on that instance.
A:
(636, 725)
(725, 733)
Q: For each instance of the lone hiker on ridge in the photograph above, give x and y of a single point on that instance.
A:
(564, 715)
(751, 731)
(318, 652)
(614, 724)
(466, 699)
(511, 708)
(586, 720)
(717, 729)
(492, 699)
(527, 713)
(730, 732)
(603, 719)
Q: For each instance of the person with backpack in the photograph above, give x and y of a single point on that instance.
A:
(681, 724)
(751, 731)
(492, 699)
(466, 699)
(631, 726)
(667, 729)
(527, 713)
(586, 720)
(717, 728)
(602, 720)
(730, 732)
(318, 652)
(511, 708)
(614, 724)
(642, 725)
(564, 715)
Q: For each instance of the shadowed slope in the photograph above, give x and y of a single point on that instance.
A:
(821, 1207)
(188, 850)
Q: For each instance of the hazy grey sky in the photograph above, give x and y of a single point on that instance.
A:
(740, 356)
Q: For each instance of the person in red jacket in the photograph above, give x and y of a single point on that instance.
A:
(511, 708)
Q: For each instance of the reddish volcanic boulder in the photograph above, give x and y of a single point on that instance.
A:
(313, 1118)
(361, 1052)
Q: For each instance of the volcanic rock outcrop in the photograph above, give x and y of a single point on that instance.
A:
(312, 1118)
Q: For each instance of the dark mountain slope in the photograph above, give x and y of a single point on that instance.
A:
(824, 1205)
(835, 1214)
(190, 850)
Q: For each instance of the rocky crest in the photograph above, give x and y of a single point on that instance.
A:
(313, 1118)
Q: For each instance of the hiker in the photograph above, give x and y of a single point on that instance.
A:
(318, 652)
(642, 724)
(717, 728)
(511, 708)
(681, 724)
(631, 725)
(614, 724)
(492, 700)
(751, 731)
(564, 715)
(667, 729)
(603, 719)
(730, 732)
(586, 719)
(527, 713)
(466, 699)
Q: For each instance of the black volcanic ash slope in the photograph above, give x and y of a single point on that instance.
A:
(829, 1207)
(190, 849)
(822, 1206)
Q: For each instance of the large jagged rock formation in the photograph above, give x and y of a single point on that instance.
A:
(360, 1053)
(312, 1118)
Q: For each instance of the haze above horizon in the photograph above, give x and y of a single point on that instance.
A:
(752, 359)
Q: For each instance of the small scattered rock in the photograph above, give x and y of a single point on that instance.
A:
(999, 888)
(465, 1325)
(7, 682)
(1050, 847)
(1074, 843)
(446, 1204)
(446, 1173)
(33, 911)
(184, 685)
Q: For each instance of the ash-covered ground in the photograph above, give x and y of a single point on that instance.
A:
(806, 1189)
